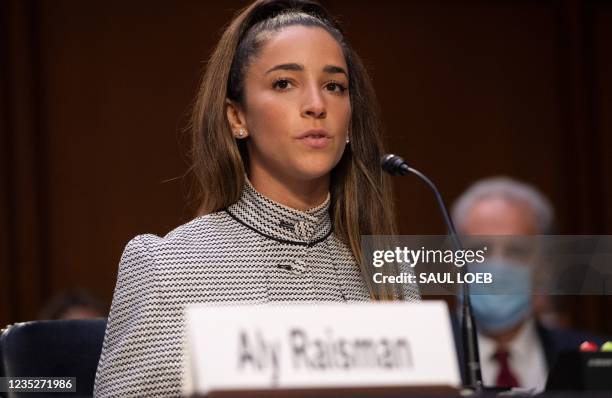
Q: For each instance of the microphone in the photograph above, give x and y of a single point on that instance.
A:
(396, 166)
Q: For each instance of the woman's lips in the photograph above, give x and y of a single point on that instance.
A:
(315, 139)
(316, 142)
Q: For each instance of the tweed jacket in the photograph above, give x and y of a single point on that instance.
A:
(255, 251)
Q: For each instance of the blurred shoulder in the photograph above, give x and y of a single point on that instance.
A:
(199, 231)
(190, 241)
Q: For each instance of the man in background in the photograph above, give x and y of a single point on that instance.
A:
(516, 349)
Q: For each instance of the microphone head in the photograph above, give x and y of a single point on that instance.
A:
(394, 165)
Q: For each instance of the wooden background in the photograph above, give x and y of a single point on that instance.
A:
(94, 98)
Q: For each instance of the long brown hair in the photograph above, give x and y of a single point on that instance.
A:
(361, 197)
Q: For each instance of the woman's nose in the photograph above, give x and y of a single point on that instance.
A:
(314, 104)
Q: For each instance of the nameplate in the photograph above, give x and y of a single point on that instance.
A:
(302, 346)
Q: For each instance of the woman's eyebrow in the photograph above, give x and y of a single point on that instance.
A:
(334, 69)
(299, 67)
(293, 66)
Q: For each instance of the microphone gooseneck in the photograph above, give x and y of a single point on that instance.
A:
(396, 166)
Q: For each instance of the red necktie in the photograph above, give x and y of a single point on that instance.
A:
(505, 378)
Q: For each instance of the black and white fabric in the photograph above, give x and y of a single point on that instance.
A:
(256, 251)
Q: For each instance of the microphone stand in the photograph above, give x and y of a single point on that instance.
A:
(471, 368)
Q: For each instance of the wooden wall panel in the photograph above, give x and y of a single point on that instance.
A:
(468, 90)
(602, 102)
(6, 174)
(120, 80)
(24, 147)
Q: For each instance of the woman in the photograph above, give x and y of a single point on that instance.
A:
(288, 165)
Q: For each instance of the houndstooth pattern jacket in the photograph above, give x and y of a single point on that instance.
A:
(256, 251)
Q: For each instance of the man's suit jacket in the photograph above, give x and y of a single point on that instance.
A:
(553, 340)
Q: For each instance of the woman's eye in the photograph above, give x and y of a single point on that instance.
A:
(336, 87)
(281, 84)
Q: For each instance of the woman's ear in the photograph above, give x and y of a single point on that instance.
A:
(236, 119)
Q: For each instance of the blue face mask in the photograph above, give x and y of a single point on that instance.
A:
(498, 312)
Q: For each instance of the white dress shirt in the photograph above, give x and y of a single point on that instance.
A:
(526, 358)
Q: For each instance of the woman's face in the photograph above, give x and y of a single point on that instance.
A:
(297, 107)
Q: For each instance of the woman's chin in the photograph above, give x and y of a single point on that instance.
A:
(313, 171)
(315, 167)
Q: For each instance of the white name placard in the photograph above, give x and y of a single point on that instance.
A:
(319, 346)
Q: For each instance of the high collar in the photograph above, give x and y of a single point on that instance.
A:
(279, 222)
